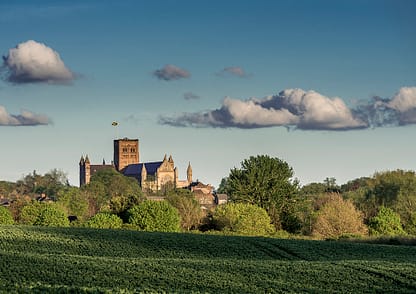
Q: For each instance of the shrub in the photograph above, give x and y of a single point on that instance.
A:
(52, 216)
(105, 220)
(155, 216)
(338, 217)
(6, 217)
(241, 218)
(386, 223)
(44, 214)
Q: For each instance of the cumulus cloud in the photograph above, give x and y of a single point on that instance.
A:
(233, 71)
(190, 96)
(25, 118)
(306, 110)
(171, 72)
(33, 62)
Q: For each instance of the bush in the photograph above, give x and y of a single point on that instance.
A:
(386, 223)
(241, 218)
(44, 214)
(52, 216)
(6, 217)
(338, 217)
(155, 216)
(105, 221)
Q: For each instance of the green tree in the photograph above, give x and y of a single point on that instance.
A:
(266, 182)
(155, 216)
(30, 212)
(386, 223)
(121, 192)
(52, 216)
(241, 218)
(188, 207)
(6, 217)
(48, 184)
(105, 220)
(338, 217)
(74, 202)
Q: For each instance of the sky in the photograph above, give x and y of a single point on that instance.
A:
(327, 86)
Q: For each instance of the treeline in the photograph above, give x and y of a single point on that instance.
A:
(264, 199)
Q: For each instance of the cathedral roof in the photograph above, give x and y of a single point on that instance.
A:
(136, 169)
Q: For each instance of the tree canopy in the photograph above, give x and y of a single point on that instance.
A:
(266, 182)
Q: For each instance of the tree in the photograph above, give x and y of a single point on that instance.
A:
(266, 182)
(155, 216)
(386, 223)
(241, 218)
(188, 207)
(30, 212)
(6, 217)
(74, 202)
(52, 216)
(338, 217)
(48, 184)
(120, 191)
(105, 220)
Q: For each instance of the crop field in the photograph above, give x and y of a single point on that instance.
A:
(41, 259)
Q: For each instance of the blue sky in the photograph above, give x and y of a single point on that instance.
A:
(328, 86)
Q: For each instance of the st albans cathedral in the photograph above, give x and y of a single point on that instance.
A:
(152, 176)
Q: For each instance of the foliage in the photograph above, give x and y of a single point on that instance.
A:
(241, 218)
(51, 216)
(44, 214)
(6, 217)
(74, 202)
(395, 190)
(79, 260)
(155, 216)
(338, 217)
(410, 227)
(98, 199)
(104, 221)
(188, 207)
(266, 182)
(121, 192)
(386, 223)
(30, 213)
(49, 184)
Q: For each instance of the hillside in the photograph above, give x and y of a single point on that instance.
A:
(85, 260)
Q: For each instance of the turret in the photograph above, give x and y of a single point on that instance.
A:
(189, 173)
(82, 171)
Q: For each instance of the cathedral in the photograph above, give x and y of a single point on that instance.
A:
(152, 176)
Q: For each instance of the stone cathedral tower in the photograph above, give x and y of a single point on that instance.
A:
(126, 152)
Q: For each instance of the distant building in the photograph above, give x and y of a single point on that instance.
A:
(152, 176)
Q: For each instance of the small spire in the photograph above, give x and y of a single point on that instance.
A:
(81, 161)
(164, 158)
(103, 161)
(170, 158)
(87, 160)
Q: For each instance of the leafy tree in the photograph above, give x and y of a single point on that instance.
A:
(386, 223)
(395, 190)
(105, 220)
(74, 202)
(98, 199)
(49, 184)
(30, 213)
(188, 207)
(121, 192)
(6, 217)
(410, 227)
(52, 216)
(338, 217)
(241, 218)
(266, 182)
(155, 216)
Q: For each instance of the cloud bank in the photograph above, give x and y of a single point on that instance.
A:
(33, 62)
(233, 71)
(25, 118)
(305, 110)
(171, 72)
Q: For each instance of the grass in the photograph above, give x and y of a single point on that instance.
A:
(74, 260)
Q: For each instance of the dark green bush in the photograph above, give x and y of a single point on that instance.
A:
(105, 220)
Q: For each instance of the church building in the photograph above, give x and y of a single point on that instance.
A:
(152, 176)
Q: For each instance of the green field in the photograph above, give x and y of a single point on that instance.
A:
(40, 259)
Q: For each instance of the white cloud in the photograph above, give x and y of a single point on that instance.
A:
(404, 102)
(171, 72)
(291, 108)
(32, 62)
(25, 118)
